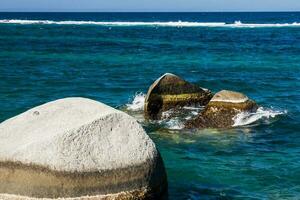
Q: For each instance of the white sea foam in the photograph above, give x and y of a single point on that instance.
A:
(246, 118)
(138, 102)
(193, 107)
(175, 124)
(175, 119)
(236, 24)
(262, 114)
(167, 114)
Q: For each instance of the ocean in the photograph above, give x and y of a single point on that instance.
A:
(114, 58)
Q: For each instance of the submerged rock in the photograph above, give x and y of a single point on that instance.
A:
(221, 110)
(169, 92)
(77, 147)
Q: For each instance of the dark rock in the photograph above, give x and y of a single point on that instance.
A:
(169, 92)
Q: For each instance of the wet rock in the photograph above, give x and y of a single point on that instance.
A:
(78, 148)
(169, 92)
(221, 110)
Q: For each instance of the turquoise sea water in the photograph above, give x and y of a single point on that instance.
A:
(99, 56)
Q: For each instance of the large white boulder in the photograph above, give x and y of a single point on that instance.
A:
(76, 147)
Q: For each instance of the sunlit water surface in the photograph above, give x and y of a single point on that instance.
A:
(40, 62)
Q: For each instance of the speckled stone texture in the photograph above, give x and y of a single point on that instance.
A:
(77, 147)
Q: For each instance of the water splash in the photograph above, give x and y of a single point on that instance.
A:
(137, 103)
(174, 119)
(174, 124)
(246, 118)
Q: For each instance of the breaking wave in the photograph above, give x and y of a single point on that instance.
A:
(236, 24)
(261, 113)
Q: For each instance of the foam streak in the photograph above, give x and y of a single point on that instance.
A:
(245, 118)
(237, 24)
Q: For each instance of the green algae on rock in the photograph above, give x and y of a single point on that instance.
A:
(221, 110)
(170, 91)
(77, 147)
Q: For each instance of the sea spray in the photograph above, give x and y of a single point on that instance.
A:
(175, 119)
(137, 103)
(244, 118)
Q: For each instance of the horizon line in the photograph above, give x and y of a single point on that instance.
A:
(86, 11)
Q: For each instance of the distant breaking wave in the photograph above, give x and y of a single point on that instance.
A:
(236, 24)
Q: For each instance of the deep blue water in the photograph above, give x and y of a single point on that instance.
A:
(110, 63)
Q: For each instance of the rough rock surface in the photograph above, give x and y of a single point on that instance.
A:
(169, 92)
(77, 147)
(221, 110)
